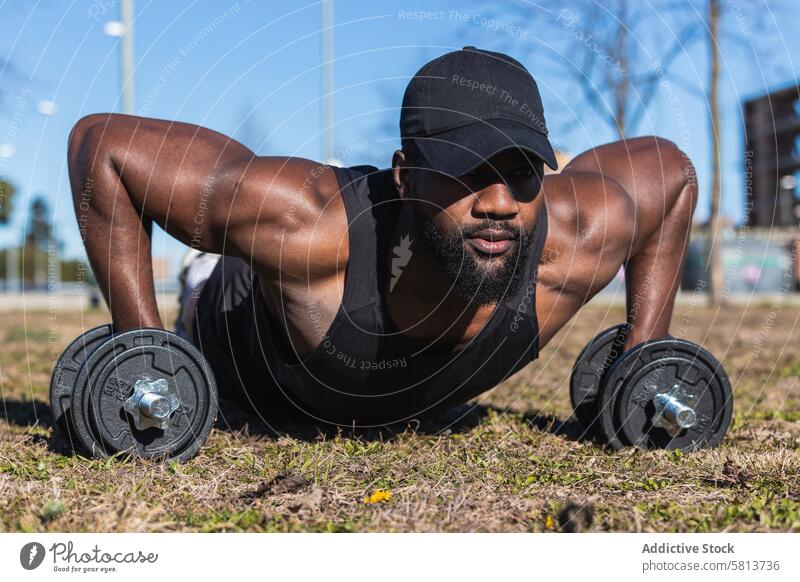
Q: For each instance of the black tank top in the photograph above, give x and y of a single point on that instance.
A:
(364, 370)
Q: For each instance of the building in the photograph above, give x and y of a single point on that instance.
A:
(772, 158)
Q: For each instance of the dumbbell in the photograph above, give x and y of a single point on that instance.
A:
(145, 392)
(667, 393)
(590, 367)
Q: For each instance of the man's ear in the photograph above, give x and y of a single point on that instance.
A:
(540, 170)
(401, 173)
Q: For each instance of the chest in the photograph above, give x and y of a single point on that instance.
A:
(305, 311)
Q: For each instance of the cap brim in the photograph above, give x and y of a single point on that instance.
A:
(458, 151)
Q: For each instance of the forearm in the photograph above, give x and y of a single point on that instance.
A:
(652, 279)
(116, 236)
(653, 273)
(129, 172)
(661, 182)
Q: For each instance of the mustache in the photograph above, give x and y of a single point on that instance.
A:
(513, 231)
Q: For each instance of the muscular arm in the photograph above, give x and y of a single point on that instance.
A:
(203, 188)
(661, 182)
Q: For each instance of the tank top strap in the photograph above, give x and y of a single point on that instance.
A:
(528, 286)
(361, 275)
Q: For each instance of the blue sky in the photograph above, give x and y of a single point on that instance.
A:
(251, 69)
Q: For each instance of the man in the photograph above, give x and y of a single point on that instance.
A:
(369, 296)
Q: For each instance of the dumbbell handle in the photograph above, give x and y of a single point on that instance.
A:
(675, 412)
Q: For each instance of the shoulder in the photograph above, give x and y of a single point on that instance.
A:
(591, 228)
(296, 211)
(588, 208)
(637, 164)
(630, 149)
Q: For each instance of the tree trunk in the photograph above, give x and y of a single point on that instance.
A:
(714, 241)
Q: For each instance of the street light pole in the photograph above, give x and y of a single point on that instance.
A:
(48, 274)
(126, 10)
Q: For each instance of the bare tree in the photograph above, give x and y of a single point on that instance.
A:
(748, 26)
(610, 52)
(618, 76)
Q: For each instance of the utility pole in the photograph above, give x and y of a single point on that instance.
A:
(327, 83)
(126, 10)
(123, 30)
(714, 240)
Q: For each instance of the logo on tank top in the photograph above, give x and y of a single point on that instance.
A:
(402, 254)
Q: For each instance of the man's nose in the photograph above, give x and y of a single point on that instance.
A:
(496, 202)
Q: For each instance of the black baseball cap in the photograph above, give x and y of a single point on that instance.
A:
(468, 105)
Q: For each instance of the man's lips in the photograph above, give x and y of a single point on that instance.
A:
(493, 242)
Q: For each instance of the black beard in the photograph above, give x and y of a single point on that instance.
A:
(483, 281)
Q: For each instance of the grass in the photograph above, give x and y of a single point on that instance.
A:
(510, 461)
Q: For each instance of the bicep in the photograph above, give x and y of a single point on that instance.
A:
(212, 193)
(643, 166)
(170, 171)
(652, 171)
(279, 213)
(594, 226)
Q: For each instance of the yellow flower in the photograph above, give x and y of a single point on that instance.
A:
(378, 496)
(548, 523)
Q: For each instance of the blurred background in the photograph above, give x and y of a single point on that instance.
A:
(324, 80)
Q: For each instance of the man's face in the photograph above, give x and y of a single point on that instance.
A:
(479, 226)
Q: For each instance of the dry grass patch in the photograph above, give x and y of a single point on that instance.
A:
(512, 461)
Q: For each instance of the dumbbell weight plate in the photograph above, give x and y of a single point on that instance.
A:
(701, 382)
(594, 360)
(607, 425)
(65, 373)
(107, 379)
(626, 405)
